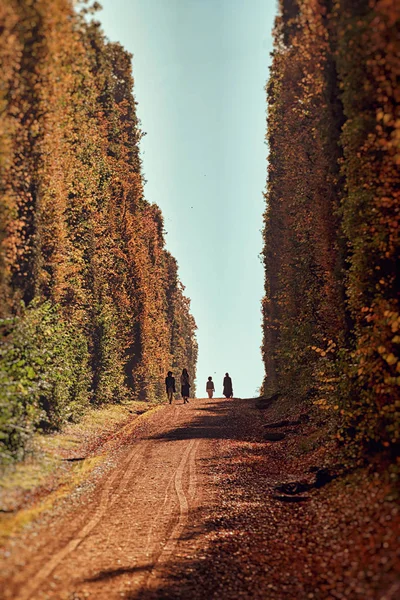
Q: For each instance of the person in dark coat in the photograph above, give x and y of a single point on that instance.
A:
(228, 389)
(185, 386)
(170, 386)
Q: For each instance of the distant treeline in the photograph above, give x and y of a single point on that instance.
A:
(331, 254)
(92, 309)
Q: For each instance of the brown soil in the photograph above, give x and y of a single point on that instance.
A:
(185, 507)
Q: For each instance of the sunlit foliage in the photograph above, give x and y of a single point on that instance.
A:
(85, 278)
(331, 254)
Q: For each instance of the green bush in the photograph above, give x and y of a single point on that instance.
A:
(44, 375)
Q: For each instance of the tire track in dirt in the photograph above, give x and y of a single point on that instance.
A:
(193, 473)
(188, 456)
(164, 508)
(149, 494)
(107, 499)
(38, 574)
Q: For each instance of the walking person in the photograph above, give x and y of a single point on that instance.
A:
(170, 386)
(185, 386)
(228, 389)
(210, 389)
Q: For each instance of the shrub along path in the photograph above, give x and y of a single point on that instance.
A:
(192, 503)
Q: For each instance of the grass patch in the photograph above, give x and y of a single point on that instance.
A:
(12, 523)
(95, 422)
(33, 486)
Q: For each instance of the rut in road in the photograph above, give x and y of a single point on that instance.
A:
(116, 540)
(185, 508)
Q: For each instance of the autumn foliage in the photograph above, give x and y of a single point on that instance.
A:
(91, 303)
(331, 309)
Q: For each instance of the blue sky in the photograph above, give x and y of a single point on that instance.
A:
(200, 67)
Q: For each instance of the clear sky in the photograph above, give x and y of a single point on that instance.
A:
(200, 67)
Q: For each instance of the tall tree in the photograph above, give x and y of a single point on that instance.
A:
(81, 246)
(331, 309)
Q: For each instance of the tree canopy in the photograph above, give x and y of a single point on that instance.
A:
(331, 308)
(91, 302)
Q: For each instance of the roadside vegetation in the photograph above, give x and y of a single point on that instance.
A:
(63, 463)
(92, 308)
(331, 309)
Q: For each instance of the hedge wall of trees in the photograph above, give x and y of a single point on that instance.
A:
(331, 309)
(91, 303)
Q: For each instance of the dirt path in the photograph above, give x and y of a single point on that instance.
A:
(115, 539)
(184, 508)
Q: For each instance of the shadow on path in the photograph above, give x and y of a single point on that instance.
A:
(235, 525)
(250, 546)
(112, 573)
(215, 423)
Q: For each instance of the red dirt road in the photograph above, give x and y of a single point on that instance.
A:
(184, 507)
(115, 540)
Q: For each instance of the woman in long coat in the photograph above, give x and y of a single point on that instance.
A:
(185, 386)
(228, 389)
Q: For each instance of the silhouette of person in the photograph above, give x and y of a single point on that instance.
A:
(170, 386)
(210, 389)
(228, 389)
(185, 386)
